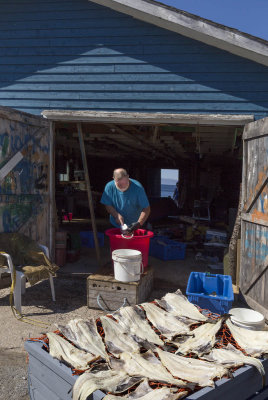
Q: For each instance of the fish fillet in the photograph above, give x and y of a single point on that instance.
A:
(253, 342)
(147, 365)
(132, 322)
(116, 338)
(168, 324)
(229, 356)
(202, 341)
(108, 381)
(179, 305)
(85, 336)
(145, 392)
(191, 369)
(62, 350)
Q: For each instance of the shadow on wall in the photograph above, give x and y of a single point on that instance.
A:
(79, 55)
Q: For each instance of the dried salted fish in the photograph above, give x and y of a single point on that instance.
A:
(133, 323)
(62, 350)
(146, 365)
(169, 325)
(145, 392)
(116, 338)
(202, 341)
(229, 356)
(109, 381)
(179, 305)
(253, 342)
(191, 369)
(85, 336)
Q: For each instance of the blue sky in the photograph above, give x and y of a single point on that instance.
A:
(248, 16)
(169, 174)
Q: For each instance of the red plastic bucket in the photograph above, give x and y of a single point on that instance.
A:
(140, 241)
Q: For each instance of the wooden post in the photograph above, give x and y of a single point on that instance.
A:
(89, 193)
(233, 242)
(52, 206)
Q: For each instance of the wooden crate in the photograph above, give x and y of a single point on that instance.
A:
(49, 378)
(104, 289)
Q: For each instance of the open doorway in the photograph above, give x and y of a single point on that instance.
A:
(169, 179)
(158, 159)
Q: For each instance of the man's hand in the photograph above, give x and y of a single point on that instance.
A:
(133, 227)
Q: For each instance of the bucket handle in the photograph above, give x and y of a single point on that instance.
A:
(127, 237)
(125, 303)
(130, 273)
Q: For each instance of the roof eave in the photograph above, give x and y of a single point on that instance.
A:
(146, 118)
(193, 27)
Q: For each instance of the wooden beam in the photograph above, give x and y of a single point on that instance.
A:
(90, 150)
(254, 220)
(256, 129)
(149, 145)
(127, 148)
(52, 199)
(89, 193)
(22, 117)
(155, 134)
(144, 143)
(134, 118)
(258, 189)
(192, 26)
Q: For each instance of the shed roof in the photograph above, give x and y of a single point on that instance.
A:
(193, 26)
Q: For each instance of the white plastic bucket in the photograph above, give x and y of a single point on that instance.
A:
(128, 265)
(247, 318)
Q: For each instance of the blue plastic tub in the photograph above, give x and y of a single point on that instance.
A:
(167, 249)
(213, 292)
(87, 239)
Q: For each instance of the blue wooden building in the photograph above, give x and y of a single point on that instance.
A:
(116, 55)
(149, 87)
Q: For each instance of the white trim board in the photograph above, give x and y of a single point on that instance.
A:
(147, 118)
(10, 165)
(194, 27)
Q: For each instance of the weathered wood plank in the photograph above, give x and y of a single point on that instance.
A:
(24, 118)
(262, 181)
(128, 95)
(146, 118)
(258, 273)
(253, 274)
(255, 218)
(256, 129)
(107, 292)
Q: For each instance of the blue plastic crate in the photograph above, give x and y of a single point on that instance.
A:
(210, 291)
(87, 239)
(166, 249)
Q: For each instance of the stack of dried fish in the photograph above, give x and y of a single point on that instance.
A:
(149, 344)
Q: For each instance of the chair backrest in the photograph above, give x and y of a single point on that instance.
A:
(44, 249)
(10, 265)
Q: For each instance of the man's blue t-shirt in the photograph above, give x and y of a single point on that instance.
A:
(129, 203)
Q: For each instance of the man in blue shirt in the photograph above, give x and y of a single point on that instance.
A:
(126, 201)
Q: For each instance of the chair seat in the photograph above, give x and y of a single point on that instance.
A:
(20, 284)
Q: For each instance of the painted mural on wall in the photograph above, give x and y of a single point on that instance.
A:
(24, 159)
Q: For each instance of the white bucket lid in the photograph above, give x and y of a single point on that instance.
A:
(126, 254)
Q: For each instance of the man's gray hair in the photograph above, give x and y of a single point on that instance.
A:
(119, 173)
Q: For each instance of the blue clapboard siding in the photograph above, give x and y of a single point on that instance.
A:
(74, 54)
